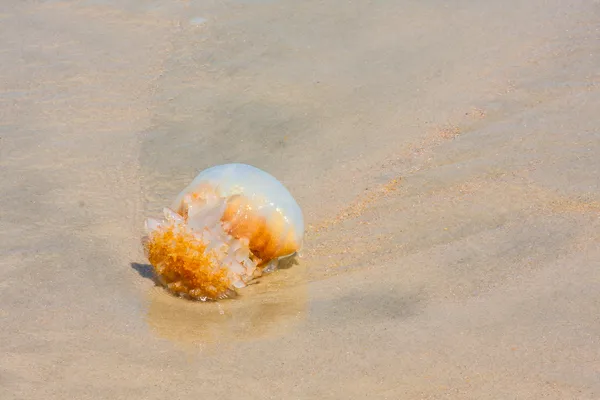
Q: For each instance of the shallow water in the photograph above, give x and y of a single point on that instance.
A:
(445, 157)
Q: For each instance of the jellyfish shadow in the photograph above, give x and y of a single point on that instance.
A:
(146, 271)
(288, 262)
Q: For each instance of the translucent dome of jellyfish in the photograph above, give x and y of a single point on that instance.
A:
(231, 223)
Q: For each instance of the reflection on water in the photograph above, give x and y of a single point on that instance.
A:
(272, 307)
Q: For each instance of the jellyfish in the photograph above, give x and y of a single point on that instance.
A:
(230, 225)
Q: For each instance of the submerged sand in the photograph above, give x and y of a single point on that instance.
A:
(446, 156)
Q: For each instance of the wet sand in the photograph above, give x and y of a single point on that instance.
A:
(446, 156)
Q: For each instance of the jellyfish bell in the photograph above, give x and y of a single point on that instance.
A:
(229, 225)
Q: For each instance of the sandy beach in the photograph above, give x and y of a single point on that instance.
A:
(446, 156)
